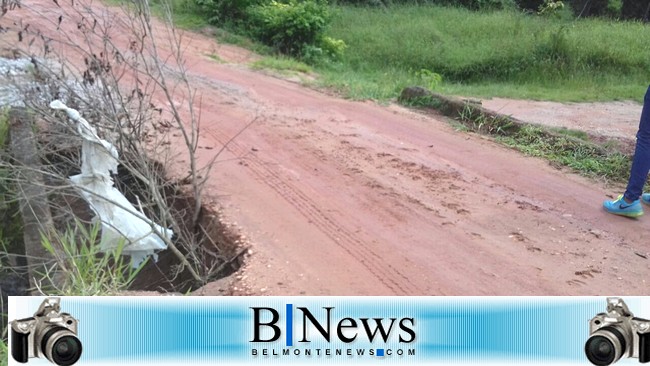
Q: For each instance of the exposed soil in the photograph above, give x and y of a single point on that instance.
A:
(352, 198)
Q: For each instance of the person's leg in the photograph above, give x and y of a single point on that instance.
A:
(629, 204)
(641, 161)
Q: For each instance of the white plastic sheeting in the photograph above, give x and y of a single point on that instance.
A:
(119, 218)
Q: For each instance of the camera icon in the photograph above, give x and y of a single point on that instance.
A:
(48, 334)
(617, 334)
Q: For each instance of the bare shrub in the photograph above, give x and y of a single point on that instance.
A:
(137, 92)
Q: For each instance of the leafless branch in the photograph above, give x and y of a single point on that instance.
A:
(114, 70)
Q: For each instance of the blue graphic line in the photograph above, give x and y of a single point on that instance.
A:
(289, 325)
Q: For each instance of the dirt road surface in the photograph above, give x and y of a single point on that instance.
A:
(619, 120)
(342, 197)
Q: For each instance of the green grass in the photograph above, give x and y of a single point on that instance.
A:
(185, 13)
(4, 353)
(230, 37)
(88, 271)
(580, 156)
(581, 135)
(480, 54)
(4, 126)
(486, 54)
(214, 57)
(562, 147)
(281, 64)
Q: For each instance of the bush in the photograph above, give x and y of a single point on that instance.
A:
(614, 8)
(225, 11)
(333, 48)
(289, 27)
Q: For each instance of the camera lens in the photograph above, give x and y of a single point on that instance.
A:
(600, 351)
(66, 350)
(605, 346)
(61, 346)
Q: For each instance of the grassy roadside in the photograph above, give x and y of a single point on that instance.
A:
(576, 150)
(479, 54)
(281, 64)
(185, 13)
(579, 155)
(487, 54)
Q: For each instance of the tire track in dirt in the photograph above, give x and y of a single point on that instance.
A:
(348, 241)
(406, 182)
(441, 179)
(369, 165)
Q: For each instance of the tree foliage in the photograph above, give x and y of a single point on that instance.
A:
(291, 26)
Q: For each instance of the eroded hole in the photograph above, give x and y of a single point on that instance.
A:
(216, 252)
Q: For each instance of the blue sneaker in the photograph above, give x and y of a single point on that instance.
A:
(645, 198)
(622, 208)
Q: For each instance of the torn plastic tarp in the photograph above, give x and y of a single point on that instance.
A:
(119, 219)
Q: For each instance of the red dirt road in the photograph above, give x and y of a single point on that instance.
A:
(353, 198)
(345, 197)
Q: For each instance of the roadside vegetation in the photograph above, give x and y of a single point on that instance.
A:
(564, 150)
(577, 50)
(281, 64)
(87, 270)
(504, 53)
(579, 151)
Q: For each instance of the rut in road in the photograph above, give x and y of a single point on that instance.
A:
(354, 246)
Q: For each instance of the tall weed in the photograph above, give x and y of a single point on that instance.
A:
(86, 270)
